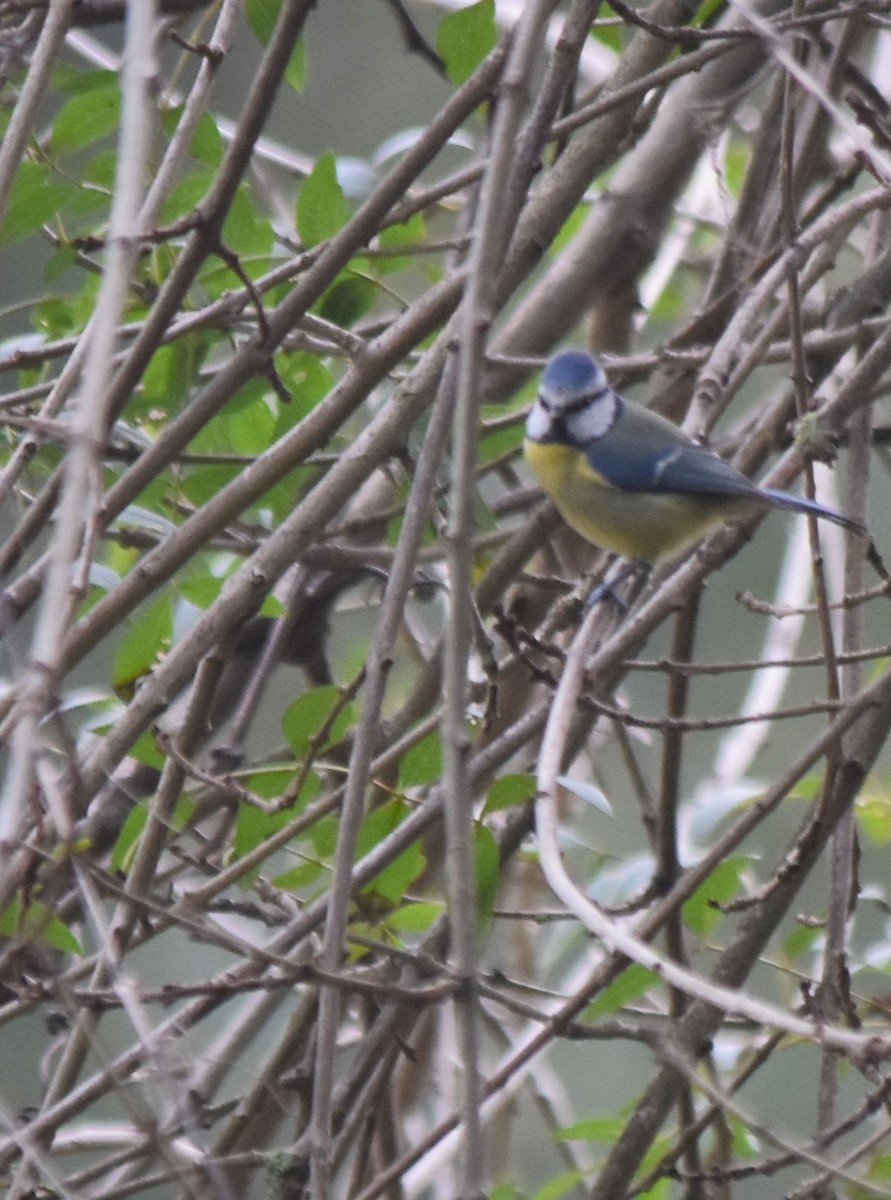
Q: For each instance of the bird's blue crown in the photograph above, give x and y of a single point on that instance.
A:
(573, 372)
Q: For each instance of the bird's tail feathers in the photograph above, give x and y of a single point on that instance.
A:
(799, 504)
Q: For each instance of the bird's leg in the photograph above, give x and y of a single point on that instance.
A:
(616, 575)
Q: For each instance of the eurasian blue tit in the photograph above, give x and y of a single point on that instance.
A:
(629, 480)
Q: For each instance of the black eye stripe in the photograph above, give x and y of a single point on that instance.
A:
(564, 409)
(580, 403)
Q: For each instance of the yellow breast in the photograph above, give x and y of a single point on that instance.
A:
(643, 525)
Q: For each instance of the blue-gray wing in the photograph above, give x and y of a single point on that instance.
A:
(643, 452)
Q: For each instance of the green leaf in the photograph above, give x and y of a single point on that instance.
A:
(323, 835)
(128, 837)
(271, 783)
(745, 1143)
(272, 607)
(295, 71)
(594, 1129)
(500, 441)
(307, 379)
(634, 981)
(465, 37)
(250, 425)
(37, 923)
(87, 117)
(410, 233)
(253, 825)
(207, 145)
(736, 163)
(73, 81)
(608, 35)
(509, 791)
(422, 763)
(248, 231)
(262, 15)
(85, 210)
(700, 913)
(308, 715)
(808, 787)
(148, 635)
(560, 1185)
(168, 378)
(321, 207)
(570, 228)
(416, 917)
(300, 877)
(100, 170)
(705, 12)
(505, 1190)
(201, 590)
(146, 750)
(348, 299)
(392, 883)
(59, 263)
(186, 193)
(201, 484)
(874, 812)
(380, 822)
(395, 880)
(37, 196)
(801, 940)
(216, 435)
(488, 870)
(60, 316)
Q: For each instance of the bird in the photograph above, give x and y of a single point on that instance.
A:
(629, 480)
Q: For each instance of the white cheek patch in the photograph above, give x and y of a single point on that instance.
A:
(589, 424)
(583, 423)
(538, 423)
